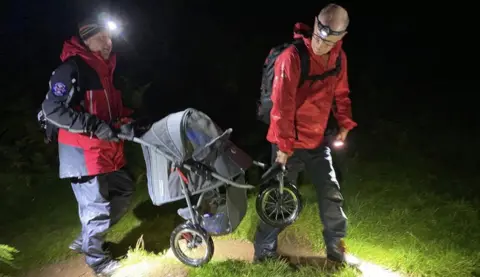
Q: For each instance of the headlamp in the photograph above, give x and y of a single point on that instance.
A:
(325, 30)
(112, 25)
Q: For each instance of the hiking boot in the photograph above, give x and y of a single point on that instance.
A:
(336, 252)
(108, 269)
(265, 256)
(270, 256)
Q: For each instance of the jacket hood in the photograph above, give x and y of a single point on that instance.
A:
(73, 47)
(302, 30)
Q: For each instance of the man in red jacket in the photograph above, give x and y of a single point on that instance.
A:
(298, 121)
(84, 105)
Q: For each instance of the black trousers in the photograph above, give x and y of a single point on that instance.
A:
(318, 164)
(102, 202)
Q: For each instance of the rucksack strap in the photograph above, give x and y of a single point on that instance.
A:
(304, 60)
(332, 72)
(80, 66)
(305, 65)
(77, 63)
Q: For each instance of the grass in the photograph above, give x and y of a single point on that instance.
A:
(396, 219)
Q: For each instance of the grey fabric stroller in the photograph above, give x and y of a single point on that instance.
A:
(188, 155)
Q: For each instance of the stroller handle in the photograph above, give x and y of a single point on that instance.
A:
(260, 164)
(125, 137)
(272, 172)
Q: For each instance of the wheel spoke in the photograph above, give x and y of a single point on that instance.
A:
(274, 200)
(270, 204)
(288, 212)
(274, 210)
(290, 207)
(288, 201)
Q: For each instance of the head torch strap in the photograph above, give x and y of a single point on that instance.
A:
(325, 30)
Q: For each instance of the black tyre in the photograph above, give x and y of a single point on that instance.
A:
(192, 237)
(278, 210)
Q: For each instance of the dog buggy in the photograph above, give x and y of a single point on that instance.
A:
(187, 155)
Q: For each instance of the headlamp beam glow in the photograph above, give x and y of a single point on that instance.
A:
(110, 23)
(112, 26)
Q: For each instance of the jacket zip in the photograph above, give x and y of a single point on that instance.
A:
(108, 103)
(91, 101)
(110, 114)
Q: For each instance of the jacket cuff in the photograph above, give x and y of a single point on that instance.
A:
(285, 145)
(348, 124)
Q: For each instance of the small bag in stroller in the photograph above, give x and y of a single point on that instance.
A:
(220, 210)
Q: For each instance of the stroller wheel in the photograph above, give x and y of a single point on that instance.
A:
(188, 239)
(278, 209)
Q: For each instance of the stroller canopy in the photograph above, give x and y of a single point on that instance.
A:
(179, 134)
(185, 135)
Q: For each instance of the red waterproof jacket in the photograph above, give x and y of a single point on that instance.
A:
(299, 116)
(70, 103)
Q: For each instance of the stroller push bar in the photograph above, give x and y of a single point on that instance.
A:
(186, 166)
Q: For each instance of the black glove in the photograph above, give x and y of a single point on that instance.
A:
(127, 132)
(103, 131)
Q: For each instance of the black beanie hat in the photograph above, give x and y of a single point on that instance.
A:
(89, 27)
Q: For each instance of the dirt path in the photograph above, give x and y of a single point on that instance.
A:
(76, 267)
(298, 253)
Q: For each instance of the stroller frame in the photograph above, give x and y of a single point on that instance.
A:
(272, 182)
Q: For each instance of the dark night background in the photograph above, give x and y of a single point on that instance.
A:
(214, 50)
(405, 60)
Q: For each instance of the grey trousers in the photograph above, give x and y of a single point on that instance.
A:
(102, 202)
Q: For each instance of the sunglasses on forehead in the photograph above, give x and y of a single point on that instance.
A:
(325, 30)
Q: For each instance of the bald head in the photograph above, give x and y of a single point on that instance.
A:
(334, 16)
